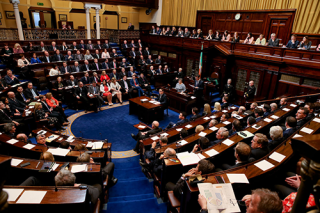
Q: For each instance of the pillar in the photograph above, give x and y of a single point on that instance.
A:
(97, 22)
(18, 20)
(88, 22)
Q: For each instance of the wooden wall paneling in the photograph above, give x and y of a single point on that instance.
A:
(273, 84)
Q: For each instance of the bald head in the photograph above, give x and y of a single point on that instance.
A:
(155, 124)
(169, 153)
(11, 94)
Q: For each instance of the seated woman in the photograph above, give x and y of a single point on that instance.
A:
(35, 59)
(54, 103)
(31, 48)
(249, 39)
(206, 110)
(261, 40)
(17, 48)
(174, 31)
(217, 35)
(180, 87)
(105, 54)
(58, 87)
(88, 55)
(115, 89)
(226, 36)
(236, 37)
(23, 63)
(104, 88)
(6, 51)
(104, 76)
(217, 107)
(64, 46)
(163, 32)
(293, 43)
(210, 35)
(305, 43)
(54, 70)
(318, 48)
(199, 34)
(46, 156)
(40, 114)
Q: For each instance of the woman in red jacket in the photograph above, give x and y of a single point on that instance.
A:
(54, 103)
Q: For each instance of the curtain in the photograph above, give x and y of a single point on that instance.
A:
(184, 12)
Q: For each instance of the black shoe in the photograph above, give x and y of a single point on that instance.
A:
(133, 136)
(114, 180)
(85, 111)
(143, 164)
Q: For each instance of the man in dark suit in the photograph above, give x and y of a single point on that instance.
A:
(242, 153)
(144, 84)
(236, 127)
(105, 65)
(139, 44)
(158, 31)
(65, 68)
(122, 73)
(21, 96)
(130, 27)
(162, 98)
(258, 113)
(5, 117)
(96, 65)
(126, 86)
(96, 55)
(78, 56)
(52, 113)
(58, 56)
(301, 116)
(150, 60)
(98, 45)
(113, 64)
(68, 57)
(146, 52)
(310, 107)
(124, 63)
(166, 69)
(266, 110)
(142, 61)
(180, 74)
(141, 135)
(11, 79)
(42, 47)
(90, 45)
(81, 93)
(106, 44)
(15, 104)
(82, 46)
(291, 124)
(85, 79)
(74, 46)
(283, 103)
(114, 53)
(94, 90)
(46, 58)
(133, 45)
(183, 119)
(198, 90)
(186, 33)
(76, 67)
(135, 84)
(224, 102)
(276, 135)
(158, 60)
(139, 52)
(153, 30)
(72, 81)
(221, 135)
(53, 47)
(114, 74)
(31, 93)
(125, 45)
(250, 91)
(228, 90)
(95, 78)
(132, 53)
(195, 114)
(259, 146)
(86, 66)
(159, 70)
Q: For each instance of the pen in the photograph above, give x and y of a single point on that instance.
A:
(38, 164)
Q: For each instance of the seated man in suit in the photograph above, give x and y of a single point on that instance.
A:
(253, 105)
(150, 60)
(95, 78)
(258, 113)
(82, 46)
(158, 60)
(139, 52)
(158, 30)
(46, 58)
(76, 67)
(114, 74)
(125, 45)
(52, 113)
(31, 93)
(74, 46)
(81, 93)
(105, 65)
(276, 135)
(250, 121)
(86, 66)
(283, 103)
(78, 56)
(139, 44)
(212, 123)
(158, 163)
(65, 69)
(224, 102)
(221, 135)
(152, 72)
(290, 127)
(266, 110)
(273, 41)
(53, 46)
(114, 53)
(58, 56)
(142, 61)
(183, 119)
(98, 45)
(259, 146)
(20, 95)
(159, 70)
(198, 90)
(132, 53)
(90, 45)
(195, 114)
(274, 107)
(126, 86)
(72, 81)
(96, 65)
(236, 127)
(132, 44)
(85, 79)
(144, 83)
(186, 33)
(5, 118)
(224, 117)
(130, 72)
(69, 56)
(301, 116)
(94, 89)
(122, 73)
(113, 64)
(41, 140)
(166, 69)
(310, 107)
(42, 47)
(135, 84)
(242, 153)
(124, 63)
(96, 55)
(151, 154)
(15, 104)
(162, 98)
(146, 52)
(106, 44)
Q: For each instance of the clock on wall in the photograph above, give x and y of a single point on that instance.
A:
(238, 16)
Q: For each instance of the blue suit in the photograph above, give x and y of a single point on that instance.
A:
(66, 58)
(136, 85)
(288, 132)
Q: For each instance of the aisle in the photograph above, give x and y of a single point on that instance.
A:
(134, 192)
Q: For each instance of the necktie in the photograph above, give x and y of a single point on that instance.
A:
(72, 83)
(87, 67)
(54, 48)
(6, 115)
(46, 105)
(95, 79)
(125, 84)
(66, 69)
(97, 66)
(114, 65)
(134, 54)
(59, 57)
(126, 46)
(90, 46)
(77, 68)
(135, 83)
(33, 93)
(94, 89)
(48, 59)
(80, 91)
(24, 98)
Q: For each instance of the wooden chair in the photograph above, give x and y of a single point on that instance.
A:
(174, 202)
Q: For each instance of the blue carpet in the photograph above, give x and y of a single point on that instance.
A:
(114, 124)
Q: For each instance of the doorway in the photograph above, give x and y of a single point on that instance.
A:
(42, 18)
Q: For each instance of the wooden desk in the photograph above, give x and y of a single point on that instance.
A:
(179, 102)
(147, 112)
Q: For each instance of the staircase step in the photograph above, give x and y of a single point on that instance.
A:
(131, 198)
(131, 187)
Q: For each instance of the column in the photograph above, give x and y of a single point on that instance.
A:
(18, 20)
(98, 22)
(88, 22)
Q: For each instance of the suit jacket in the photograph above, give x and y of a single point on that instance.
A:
(143, 81)
(250, 92)
(85, 80)
(66, 58)
(73, 69)
(132, 82)
(28, 93)
(288, 132)
(74, 47)
(124, 64)
(180, 75)
(69, 82)
(20, 97)
(78, 57)
(123, 86)
(105, 65)
(274, 143)
(64, 47)
(133, 45)
(84, 67)
(112, 65)
(146, 53)
(158, 61)
(229, 90)
(121, 74)
(94, 66)
(44, 48)
(139, 53)
(96, 55)
(45, 60)
(5, 117)
(16, 104)
(133, 53)
(150, 61)
(194, 117)
(82, 46)
(91, 90)
(78, 92)
(266, 114)
(90, 46)
(227, 166)
(106, 46)
(187, 34)
(142, 62)
(56, 57)
(125, 46)
(259, 152)
(97, 79)
(116, 76)
(163, 100)
(274, 43)
(112, 55)
(301, 122)
(51, 48)
(199, 91)
(153, 131)
(98, 46)
(182, 122)
(63, 70)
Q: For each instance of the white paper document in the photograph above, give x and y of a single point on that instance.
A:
(145, 99)
(183, 142)
(233, 107)
(97, 145)
(212, 152)
(297, 136)
(79, 168)
(213, 116)
(264, 165)
(15, 162)
(155, 138)
(12, 141)
(192, 97)
(267, 120)
(55, 166)
(202, 134)
(141, 127)
(187, 158)
(293, 105)
(256, 126)
(188, 126)
(224, 110)
(164, 134)
(226, 122)
(178, 129)
(238, 178)
(13, 194)
(213, 128)
(316, 120)
(286, 109)
(277, 156)
(201, 156)
(32, 197)
(29, 146)
(59, 151)
(274, 116)
(89, 144)
(220, 197)
(206, 118)
(306, 130)
(228, 142)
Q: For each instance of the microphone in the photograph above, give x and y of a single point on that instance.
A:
(81, 134)
(55, 188)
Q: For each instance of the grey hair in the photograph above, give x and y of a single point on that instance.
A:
(169, 152)
(276, 132)
(224, 132)
(65, 178)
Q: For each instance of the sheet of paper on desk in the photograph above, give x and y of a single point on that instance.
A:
(187, 158)
(293, 105)
(145, 99)
(228, 142)
(286, 109)
(213, 128)
(233, 107)
(306, 130)
(155, 138)
(179, 129)
(274, 116)
(32, 197)
(247, 134)
(69, 138)
(297, 136)
(206, 118)
(183, 142)
(12, 141)
(89, 144)
(264, 165)
(224, 110)
(202, 134)
(188, 126)
(277, 156)
(97, 145)
(213, 116)
(79, 168)
(15, 162)
(55, 166)
(267, 120)
(316, 120)
(238, 178)
(212, 152)
(141, 127)
(157, 103)
(59, 152)
(201, 156)
(164, 134)
(29, 146)
(13, 194)
(256, 126)
(226, 122)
